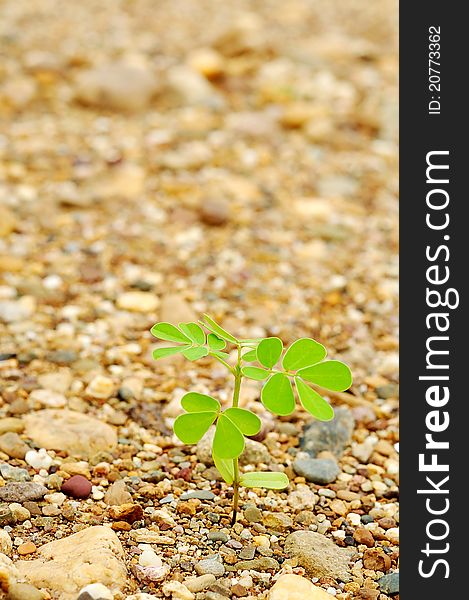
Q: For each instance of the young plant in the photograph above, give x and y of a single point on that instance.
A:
(302, 364)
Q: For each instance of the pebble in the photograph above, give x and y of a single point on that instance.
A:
(302, 498)
(277, 521)
(100, 388)
(11, 424)
(23, 591)
(252, 514)
(22, 491)
(217, 536)
(117, 494)
(364, 536)
(13, 311)
(77, 487)
(317, 470)
(19, 512)
(95, 591)
(141, 302)
(264, 563)
(296, 587)
(149, 558)
(26, 548)
(6, 545)
(199, 584)
(13, 445)
(319, 555)
(200, 494)
(126, 512)
(214, 211)
(177, 591)
(38, 459)
(210, 566)
(48, 398)
(389, 584)
(333, 436)
(376, 560)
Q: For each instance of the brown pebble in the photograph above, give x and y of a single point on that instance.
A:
(27, 548)
(77, 487)
(376, 560)
(387, 523)
(121, 526)
(214, 212)
(363, 536)
(368, 594)
(239, 591)
(186, 508)
(126, 512)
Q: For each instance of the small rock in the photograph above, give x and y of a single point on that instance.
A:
(200, 494)
(27, 548)
(126, 512)
(77, 487)
(199, 584)
(10, 473)
(333, 436)
(142, 302)
(117, 494)
(149, 558)
(13, 445)
(6, 545)
(363, 536)
(116, 86)
(254, 454)
(302, 498)
(295, 587)
(319, 555)
(48, 398)
(264, 563)
(376, 560)
(100, 387)
(38, 459)
(23, 591)
(11, 424)
(95, 591)
(389, 584)
(22, 491)
(70, 431)
(6, 516)
(252, 514)
(177, 591)
(62, 357)
(215, 212)
(210, 566)
(185, 86)
(217, 536)
(19, 512)
(277, 521)
(317, 470)
(13, 311)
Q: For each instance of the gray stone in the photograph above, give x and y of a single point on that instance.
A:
(389, 584)
(199, 494)
(217, 536)
(252, 514)
(10, 473)
(333, 436)
(265, 563)
(22, 492)
(210, 566)
(317, 470)
(13, 445)
(319, 555)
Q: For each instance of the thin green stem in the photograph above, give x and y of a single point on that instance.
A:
(237, 387)
(223, 362)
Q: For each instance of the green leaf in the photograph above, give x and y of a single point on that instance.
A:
(194, 402)
(163, 352)
(191, 427)
(332, 375)
(250, 356)
(194, 332)
(265, 479)
(277, 395)
(213, 326)
(228, 441)
(225, 467)
(313, 402)
(246, 421)
(223, 355)
(215, 342)
(255, 373)
(170, 333)
(269, 351)
(303, 353)
(195, 353)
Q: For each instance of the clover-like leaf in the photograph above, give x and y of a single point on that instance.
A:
(228, 441)
(250, 356)
(194, 332)
(303, 353)
(277, 395)
(246, 421)
(313, 402)
(225, 467)
(257, 373)
(265, 479)
(215, 342)
(269, 351)
(195, 402)
(164, 352)
(170, 333)
(195, 352)
(215, 328)
(191, 427)
(331, 374)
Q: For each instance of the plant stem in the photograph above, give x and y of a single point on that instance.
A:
(237, 387)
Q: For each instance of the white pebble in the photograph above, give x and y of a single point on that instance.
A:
(97, 591)
(149, 558)
(38, 459)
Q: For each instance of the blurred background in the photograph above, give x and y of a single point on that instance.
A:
(162, 158)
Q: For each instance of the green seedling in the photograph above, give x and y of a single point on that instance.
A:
(302, 364)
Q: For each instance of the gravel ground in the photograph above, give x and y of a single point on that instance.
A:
(158, 161)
